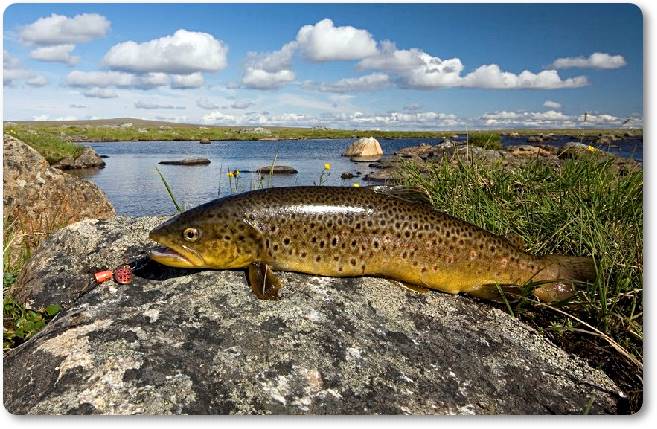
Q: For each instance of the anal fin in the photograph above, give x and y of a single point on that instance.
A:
(264, 283)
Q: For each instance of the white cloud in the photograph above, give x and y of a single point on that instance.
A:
(100, 93)
(184, 52)
(118, 79)
(391, 120)
(184, 81)
(60, 118)
(155, 106)
(242, 104)
(325, 42)
(13, 72)
(263, 79)
(400, 60)
(57, 29)
(272, 61)
(269, 70)
(205, 103)
(396, 119)
(417, 69)
(412, 107)
(100, 79)
(550, 118)
(218, 118)
(178, 119)
(37, 81)
(150, 80)
(490, 76)
(56, 53)
(77, 106)
(368, 82)
(596, 60)
(552, 104)
(592, 118)
(259, 118)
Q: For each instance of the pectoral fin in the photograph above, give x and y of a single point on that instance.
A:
(264, 283)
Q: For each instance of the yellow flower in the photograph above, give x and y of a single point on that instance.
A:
(230, 174)
(590, 148)
(327, 166)
(356, 185)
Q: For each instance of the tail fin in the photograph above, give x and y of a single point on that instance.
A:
(578, 268)
(566, 270)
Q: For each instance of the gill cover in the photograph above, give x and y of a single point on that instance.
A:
(195, 240)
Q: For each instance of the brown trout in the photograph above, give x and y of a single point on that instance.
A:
(341, 232)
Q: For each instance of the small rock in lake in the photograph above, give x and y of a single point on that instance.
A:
(347, 175)
(276, 169)
(87, 159)
(384, 175)
(187, 161)
(205, 141)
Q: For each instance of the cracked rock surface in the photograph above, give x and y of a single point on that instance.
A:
(199, 342)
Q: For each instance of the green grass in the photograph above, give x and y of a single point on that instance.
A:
(19, 323)
(194, 133)
(584, 208)
(47, 141)
(149, 131)
(485, 140)
(169, 191)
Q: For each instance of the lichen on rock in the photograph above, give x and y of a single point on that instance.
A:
(198, 342)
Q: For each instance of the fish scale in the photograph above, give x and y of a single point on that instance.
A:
(341, 231)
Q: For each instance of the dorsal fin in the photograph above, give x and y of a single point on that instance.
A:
(414, 195)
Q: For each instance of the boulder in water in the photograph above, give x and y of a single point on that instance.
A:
(364, 147)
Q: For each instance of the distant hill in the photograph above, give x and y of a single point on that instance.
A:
(137, 123)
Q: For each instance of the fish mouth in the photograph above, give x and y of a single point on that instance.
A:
(172, 257)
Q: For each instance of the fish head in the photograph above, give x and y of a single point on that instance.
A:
(198, 239)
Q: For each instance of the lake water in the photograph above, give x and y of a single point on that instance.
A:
(134, 188)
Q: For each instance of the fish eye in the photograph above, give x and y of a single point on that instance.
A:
(191, 234)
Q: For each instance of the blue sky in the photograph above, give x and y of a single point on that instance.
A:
(387, 66)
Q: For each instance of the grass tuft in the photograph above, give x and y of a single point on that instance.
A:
(485, 140)
(48, 142)
(584, 208)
